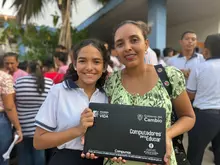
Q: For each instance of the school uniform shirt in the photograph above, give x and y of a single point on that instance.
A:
(63, 107)
(179, 61)
(29, 101)
(204, 81)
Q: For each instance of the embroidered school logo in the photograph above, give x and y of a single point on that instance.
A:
(166, 83)
(140, 117)
(159, 70)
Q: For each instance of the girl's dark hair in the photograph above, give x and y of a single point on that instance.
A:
(62, 56)
(212, 43)
(141, 26)
(72, 73)
(35, 70)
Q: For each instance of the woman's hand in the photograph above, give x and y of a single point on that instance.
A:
(86, 120)
(168, 150)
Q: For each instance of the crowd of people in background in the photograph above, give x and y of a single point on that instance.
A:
(33, 91)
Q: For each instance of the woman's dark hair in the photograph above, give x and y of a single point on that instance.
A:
(62, 56)
(35, 70)
(141, 26)
(212, 43)
(72, 73)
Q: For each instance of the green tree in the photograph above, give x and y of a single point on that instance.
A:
(40, 41)
(26, 9)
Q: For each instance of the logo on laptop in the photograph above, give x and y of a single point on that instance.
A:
(140, 117)
(104, 114)
(95, 113)
(151, 145)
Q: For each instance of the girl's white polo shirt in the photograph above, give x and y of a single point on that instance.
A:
(63, 107)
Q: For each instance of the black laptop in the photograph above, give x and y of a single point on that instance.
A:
(132, 132)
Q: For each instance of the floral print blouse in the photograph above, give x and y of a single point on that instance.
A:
(156, 97)
(6, 86)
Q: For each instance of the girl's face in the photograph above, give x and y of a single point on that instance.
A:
(130, 45)
(89, 65)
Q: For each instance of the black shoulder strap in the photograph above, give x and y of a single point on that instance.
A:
(163, 77)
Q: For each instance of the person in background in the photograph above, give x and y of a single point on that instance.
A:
(61, 48)
(159, 59)
(175, 52)
(31, 91)
(49, 71)
(150, 56)
(61, 59)
(23, 65)
(203, 87)
(11, 66)
(167, 54)
(64, 116)
(188, 58)
(8, 113)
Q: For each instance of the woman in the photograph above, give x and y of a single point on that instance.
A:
(31, 92)
(64, 117)
(8, 113)
(139, 84)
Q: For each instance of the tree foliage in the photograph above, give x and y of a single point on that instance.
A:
(39, 41)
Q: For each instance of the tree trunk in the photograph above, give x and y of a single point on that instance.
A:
(65, 33)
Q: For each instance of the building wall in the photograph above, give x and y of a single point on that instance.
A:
(202, 28)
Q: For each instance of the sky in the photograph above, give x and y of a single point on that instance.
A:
(85, 9)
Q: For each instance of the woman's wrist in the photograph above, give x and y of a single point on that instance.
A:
(169, 133)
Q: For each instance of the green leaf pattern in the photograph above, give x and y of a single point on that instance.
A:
(156, 97)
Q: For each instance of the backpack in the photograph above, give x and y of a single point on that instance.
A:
(179, 150)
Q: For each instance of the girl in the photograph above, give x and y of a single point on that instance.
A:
(64, 117)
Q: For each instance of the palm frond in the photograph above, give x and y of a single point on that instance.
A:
(28, 8)
(3, 3)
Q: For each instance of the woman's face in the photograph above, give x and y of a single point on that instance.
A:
(130, 45)
(89, 65)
